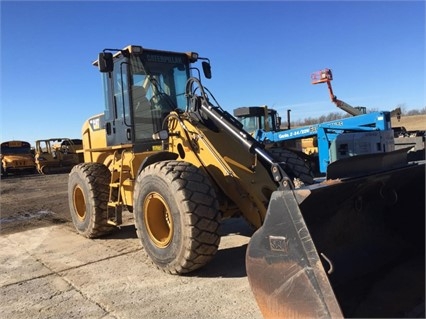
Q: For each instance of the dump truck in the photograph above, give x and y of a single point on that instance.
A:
(57, 155)
(166, 151)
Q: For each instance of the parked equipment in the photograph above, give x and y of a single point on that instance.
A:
(359, 134)
(165, 150)
(343, 138)
(57, 155)
(16, 157)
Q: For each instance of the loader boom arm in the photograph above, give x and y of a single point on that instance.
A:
(228, 123)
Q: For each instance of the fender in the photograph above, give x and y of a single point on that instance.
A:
(157, 157)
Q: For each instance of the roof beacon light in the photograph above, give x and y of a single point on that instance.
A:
(193, 56)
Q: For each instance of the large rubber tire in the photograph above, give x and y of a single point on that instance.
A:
(177, 216)
(88, 192)
(300, 168)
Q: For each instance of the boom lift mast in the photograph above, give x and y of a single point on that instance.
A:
(325, 76)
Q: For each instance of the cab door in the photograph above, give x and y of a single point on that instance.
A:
(117, 105)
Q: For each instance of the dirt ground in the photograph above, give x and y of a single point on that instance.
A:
(47, 270)
(32, 201)
(411, 123)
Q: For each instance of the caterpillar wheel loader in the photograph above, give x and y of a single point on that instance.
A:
(166, 151)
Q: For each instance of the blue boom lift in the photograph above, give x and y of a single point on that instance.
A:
(361, 134)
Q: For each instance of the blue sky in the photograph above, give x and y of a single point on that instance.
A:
(260, 52)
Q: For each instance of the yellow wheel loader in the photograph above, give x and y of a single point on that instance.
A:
(349, 244)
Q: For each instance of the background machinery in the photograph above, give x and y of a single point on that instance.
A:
(347, 137)
(16, 157)
(166, 151)
(57, 155)
(326, 76)
(360, 134)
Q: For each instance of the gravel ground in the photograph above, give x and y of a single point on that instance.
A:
(47, 270)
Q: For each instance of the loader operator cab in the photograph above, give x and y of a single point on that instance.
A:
(141, 87)
(253, 118)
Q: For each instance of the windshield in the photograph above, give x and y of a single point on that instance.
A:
(15, 148)
(250, 123)
(162, 76)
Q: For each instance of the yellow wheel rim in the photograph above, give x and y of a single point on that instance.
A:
(158, 220)
(79, 203)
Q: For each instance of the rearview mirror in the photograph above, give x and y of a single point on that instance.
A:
(105, 62)
(207, 69)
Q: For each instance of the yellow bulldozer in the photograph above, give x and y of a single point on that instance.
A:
(350, 244)
(57, 155)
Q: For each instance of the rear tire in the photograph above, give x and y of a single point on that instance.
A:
(300, 168)
(88, 192)
(177, 216)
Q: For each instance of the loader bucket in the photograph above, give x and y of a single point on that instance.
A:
(343, 248)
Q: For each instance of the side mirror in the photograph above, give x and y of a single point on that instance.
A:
(161, 135)
(207, 69)
(105, 62)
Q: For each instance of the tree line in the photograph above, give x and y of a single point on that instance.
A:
(339, 115)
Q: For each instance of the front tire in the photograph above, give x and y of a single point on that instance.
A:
(177, 216)
(88, 192)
